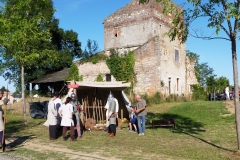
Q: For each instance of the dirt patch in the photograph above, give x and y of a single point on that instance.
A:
(230, 106)
(37, 145)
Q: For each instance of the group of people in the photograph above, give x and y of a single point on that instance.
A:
(68, 115)
(137, 115)
(64, 115)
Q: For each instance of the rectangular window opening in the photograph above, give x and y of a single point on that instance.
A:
(108, 77)
(176, 55)
(177, 84)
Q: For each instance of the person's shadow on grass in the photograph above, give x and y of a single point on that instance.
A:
(184, 125)
(18, 141)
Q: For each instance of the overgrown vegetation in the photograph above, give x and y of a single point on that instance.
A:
(159, 98)
(73, 74)
(199, 93)
(95, 58)
(99, 78)
(122, 67)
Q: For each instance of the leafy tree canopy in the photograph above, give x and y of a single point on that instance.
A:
(91, 48)
(202, 70)
(55, 52)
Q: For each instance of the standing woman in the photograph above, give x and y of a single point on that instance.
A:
(66, 112)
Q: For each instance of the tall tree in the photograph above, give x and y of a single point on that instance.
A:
(221, 15)
(202, 70)
(23, 34)
(221, 83)
(91, 48)
(67, 46)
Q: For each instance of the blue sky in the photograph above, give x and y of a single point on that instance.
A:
(86, 17)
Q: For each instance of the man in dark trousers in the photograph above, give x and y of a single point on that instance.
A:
(111, 115)
(58, 104)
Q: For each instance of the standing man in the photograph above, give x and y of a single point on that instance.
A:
(58, 104)
(2, 127)
(76, 105)
(52, 118)
(141, 114)
(112, 116)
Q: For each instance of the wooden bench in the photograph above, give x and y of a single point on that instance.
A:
(164, 123)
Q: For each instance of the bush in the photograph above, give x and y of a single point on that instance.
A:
(156, 99)
(99, 78)
(199, 93)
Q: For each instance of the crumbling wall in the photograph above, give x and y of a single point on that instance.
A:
(147, 67)
(90, 71)
(133, 25)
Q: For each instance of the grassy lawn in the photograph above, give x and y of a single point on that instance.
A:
(205, 130)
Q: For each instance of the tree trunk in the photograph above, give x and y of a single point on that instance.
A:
(23, 98)
(236, 90)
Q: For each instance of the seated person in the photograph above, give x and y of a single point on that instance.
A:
(133, 121)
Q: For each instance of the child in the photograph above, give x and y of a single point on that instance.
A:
(133, 121)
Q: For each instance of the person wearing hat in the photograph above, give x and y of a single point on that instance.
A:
(2, 126)
(52, 117)
(111, 115)
(76, 107)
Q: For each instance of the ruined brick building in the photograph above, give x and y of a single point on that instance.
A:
(160, 65)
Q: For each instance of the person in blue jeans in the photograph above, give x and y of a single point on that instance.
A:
(141, 113)
(133, 121)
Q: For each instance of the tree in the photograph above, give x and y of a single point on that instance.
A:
(202, 70)
(221, 83)
(210, 83)
(24, 34)
(4, 89)
(91, 48)
(222, 16)
(67, 47)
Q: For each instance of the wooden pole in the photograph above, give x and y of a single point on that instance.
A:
(122, 114)
(94, 108)
(85, 104)
(99, 112)
(88, 108)
(101, 108)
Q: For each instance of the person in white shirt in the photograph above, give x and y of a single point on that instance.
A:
(52, 118)
(66, 113)
(58, 104)
(227, 93)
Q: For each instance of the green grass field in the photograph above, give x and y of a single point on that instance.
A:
(205, 130)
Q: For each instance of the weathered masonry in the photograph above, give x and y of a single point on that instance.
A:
(161, 65)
